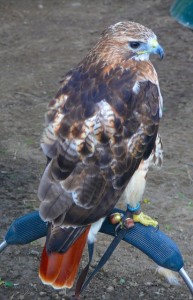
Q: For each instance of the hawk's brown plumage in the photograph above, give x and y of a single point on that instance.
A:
(102, 123)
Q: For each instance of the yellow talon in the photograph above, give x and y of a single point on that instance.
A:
(145, 220)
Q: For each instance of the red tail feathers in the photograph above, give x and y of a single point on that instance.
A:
(59, 269)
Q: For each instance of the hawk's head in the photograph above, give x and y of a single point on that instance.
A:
(128, 40)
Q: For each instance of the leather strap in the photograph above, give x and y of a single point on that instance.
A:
(83, 282)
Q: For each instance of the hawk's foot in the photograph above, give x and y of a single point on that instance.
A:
(144, 219)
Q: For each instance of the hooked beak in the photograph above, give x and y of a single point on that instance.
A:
(157, 49)
(160, 52)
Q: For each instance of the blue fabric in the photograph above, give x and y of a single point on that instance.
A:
(182, 11)
(133, 209)
(153, 242)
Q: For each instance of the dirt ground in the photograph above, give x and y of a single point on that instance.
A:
(41, 40)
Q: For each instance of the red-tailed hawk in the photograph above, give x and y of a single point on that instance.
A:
(101, 129)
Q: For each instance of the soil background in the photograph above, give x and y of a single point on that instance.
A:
(39, 42)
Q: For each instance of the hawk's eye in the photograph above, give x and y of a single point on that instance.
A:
(134, 45)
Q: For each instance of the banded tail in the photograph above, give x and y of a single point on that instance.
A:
(60, 269)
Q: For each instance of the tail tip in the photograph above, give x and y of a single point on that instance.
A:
(54, 285)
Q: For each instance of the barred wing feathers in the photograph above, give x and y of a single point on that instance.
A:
(102, 123)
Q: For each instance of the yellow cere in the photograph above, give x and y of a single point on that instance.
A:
(154, 43)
